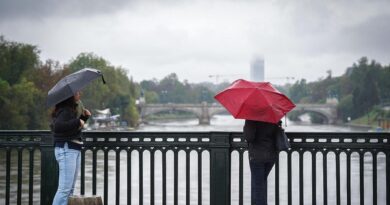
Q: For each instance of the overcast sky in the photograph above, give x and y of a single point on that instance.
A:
(195, 39)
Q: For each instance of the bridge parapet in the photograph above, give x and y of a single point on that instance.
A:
(203, 111)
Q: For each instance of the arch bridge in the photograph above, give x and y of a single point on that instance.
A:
(205, 111)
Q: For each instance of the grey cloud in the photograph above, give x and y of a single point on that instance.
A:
(371, 35)
(175, 36)
(27, 9)
(321, 28)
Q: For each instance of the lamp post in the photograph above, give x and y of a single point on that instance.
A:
(203, 95)
(164, 96)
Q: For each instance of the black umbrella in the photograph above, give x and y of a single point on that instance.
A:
(70, 84)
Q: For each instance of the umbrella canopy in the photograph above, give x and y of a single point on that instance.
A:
(70, 84)
(258, 101)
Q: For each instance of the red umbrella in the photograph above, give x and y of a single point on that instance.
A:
(258, 101)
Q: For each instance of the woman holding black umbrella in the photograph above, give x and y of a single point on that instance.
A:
(68, 119)
(66, 127)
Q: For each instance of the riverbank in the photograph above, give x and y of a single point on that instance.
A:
(373, 125)
(358, 126)
(375, 120)
(364, 127)
(170, 116)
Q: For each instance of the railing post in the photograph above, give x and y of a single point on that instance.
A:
(387, 177)
(220, 169)
(205, 116)
(49, 172)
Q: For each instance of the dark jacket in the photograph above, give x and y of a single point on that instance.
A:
(261, 140)
(65, 125)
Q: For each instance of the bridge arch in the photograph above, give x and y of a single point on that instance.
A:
(327, 111)
(317, 114)
(217, 109)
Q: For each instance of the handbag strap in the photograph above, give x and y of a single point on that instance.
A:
(285, 120)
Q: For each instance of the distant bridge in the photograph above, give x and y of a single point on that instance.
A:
(205, 111)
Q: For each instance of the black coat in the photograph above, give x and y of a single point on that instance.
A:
(261, 140)
(65, 125)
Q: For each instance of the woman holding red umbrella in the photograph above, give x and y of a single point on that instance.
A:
(262, 106)
(262, 156)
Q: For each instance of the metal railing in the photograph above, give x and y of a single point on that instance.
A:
(28, 170)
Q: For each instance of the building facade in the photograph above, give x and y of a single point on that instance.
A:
(257, 69)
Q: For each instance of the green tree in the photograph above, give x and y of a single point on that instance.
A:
(22, 102)
(47, 75)
(345, 108)
(384, 84)
(16, 59)
(20, 106)
(118, 93)
(149, 84)
(323, 89)
(365, 92)
(171, 90)
(151, 97)
(299, 90)
(88, 60)
(366, 95)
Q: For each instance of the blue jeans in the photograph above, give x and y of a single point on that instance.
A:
(68, 163)
(259, 174)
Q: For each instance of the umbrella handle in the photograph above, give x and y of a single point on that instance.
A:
(103, 79)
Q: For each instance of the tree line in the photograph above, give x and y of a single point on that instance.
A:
(25, 81)
(171, 90)
(363, 87)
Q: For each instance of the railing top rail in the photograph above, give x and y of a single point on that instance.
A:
(159, 132)
(113, 134)
(210, 139)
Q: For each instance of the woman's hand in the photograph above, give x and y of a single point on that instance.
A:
(85, 116)
(82, 123)
(87, 112)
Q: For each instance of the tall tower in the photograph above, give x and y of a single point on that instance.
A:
(257, 69)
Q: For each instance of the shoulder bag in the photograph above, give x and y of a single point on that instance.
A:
(282, 143)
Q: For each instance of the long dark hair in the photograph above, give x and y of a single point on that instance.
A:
(69, 102)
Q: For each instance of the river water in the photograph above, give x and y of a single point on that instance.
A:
(218, 123)
(228, 123)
